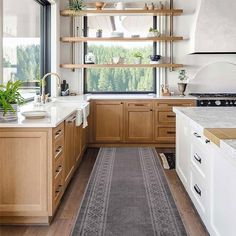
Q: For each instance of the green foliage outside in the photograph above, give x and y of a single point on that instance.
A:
(119, 79)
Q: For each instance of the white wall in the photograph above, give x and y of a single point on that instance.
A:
(218, 77)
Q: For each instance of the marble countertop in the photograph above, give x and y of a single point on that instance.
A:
(212, 117)
(56, 113)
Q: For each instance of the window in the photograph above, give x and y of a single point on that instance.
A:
(25, 36)
(119, 80)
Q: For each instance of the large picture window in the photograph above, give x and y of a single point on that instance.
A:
(25, 46)
(124, 79)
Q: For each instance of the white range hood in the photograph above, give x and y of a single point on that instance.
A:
(214, 27)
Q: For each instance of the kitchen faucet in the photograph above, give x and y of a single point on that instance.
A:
(43, 97)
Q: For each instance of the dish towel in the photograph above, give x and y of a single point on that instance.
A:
(85, 122)
(79, 118)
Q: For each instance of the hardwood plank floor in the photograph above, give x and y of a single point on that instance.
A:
(67, 212)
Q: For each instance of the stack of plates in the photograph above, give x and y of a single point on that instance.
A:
(34, 114)
(116, 34)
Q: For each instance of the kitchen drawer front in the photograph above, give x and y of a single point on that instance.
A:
(58, 188)
(139, 105)
(174, 103)
(198, 158)
(168, 117)
(198, 192)
(58, 148)
(58, 167)
(58, 131)
(165, 134)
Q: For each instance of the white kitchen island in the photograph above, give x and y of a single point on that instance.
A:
(207, 165)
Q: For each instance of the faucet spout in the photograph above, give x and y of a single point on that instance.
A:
(43, 84)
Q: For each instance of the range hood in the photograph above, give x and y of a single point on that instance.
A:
(214, 27)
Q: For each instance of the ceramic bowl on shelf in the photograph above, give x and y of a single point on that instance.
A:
(117, 34)
(155, 58)
(118, 60)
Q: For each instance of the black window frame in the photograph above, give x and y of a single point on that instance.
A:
(85, 51)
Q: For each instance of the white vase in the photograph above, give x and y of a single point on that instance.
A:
(137, 60)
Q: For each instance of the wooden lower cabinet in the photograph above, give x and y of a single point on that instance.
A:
(70, 147)
(124, 122)
(138, 122)
(36, 165)
(108, 121)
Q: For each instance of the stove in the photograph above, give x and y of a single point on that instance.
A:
(215, 99)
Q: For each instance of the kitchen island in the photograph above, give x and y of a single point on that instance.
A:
(206, 164)
(38, 159)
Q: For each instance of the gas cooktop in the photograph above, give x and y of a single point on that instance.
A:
(214, 95)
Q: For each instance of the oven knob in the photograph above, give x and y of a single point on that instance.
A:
(209, 103)
(218, 103)
(235, 103)
(226, 103)
(231, 103)
(202, 103)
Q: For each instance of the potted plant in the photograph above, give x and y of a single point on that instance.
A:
(99, 33)
(76, 5)
(10, 98)
(153, 32)
(183, 79)
(138, 56)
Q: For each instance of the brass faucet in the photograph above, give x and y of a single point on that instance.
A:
(43, 96)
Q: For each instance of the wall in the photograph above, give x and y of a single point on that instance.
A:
(217, 76)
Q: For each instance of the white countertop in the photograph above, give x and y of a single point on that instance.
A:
(212, 117)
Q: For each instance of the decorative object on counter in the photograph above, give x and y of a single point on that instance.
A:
(10, 98)
(135, 36)
(182, 85)
(165, 90)
(161, 5)
(153, 32)
(117, 34)
(99, 5)
(99, 33)
(76, 5)
(145, 7)
(154, 59)
(119, 6)
(118, 60)
(138, 56)
(65, 89)
(34, 114)
(90, 58)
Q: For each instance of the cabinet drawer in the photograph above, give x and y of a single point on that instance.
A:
(198, 192)
(198, 158)
(143, 104)
(58, 189)
(165, 132)
(58, 147)
(58, 131)
(58, 168)
(165, 117)
(170, 104)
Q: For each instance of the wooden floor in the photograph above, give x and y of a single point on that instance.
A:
(66, 214)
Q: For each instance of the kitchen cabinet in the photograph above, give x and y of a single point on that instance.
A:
(108, 121)
(139, 121)
(70, 147)
(164, 120)
(223, 205)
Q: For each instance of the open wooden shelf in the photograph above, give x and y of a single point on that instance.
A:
(104, 39)
(160, 12)
(80, 66)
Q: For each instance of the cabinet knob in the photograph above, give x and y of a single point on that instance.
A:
(207, 141)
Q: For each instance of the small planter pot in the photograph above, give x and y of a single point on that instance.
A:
(99, 34)
(10, 115)
(137, 60)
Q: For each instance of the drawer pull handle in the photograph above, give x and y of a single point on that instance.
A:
(207, 141)
(59, 188)
(171, 132)
(58, 151)
(170, 116)
(198, 158)
(58, 133)
(58, 171)
(139, 105)
(197, 190)
(72, 120)
(197, 135)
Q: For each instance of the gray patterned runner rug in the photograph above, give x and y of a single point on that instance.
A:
(128, 195)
